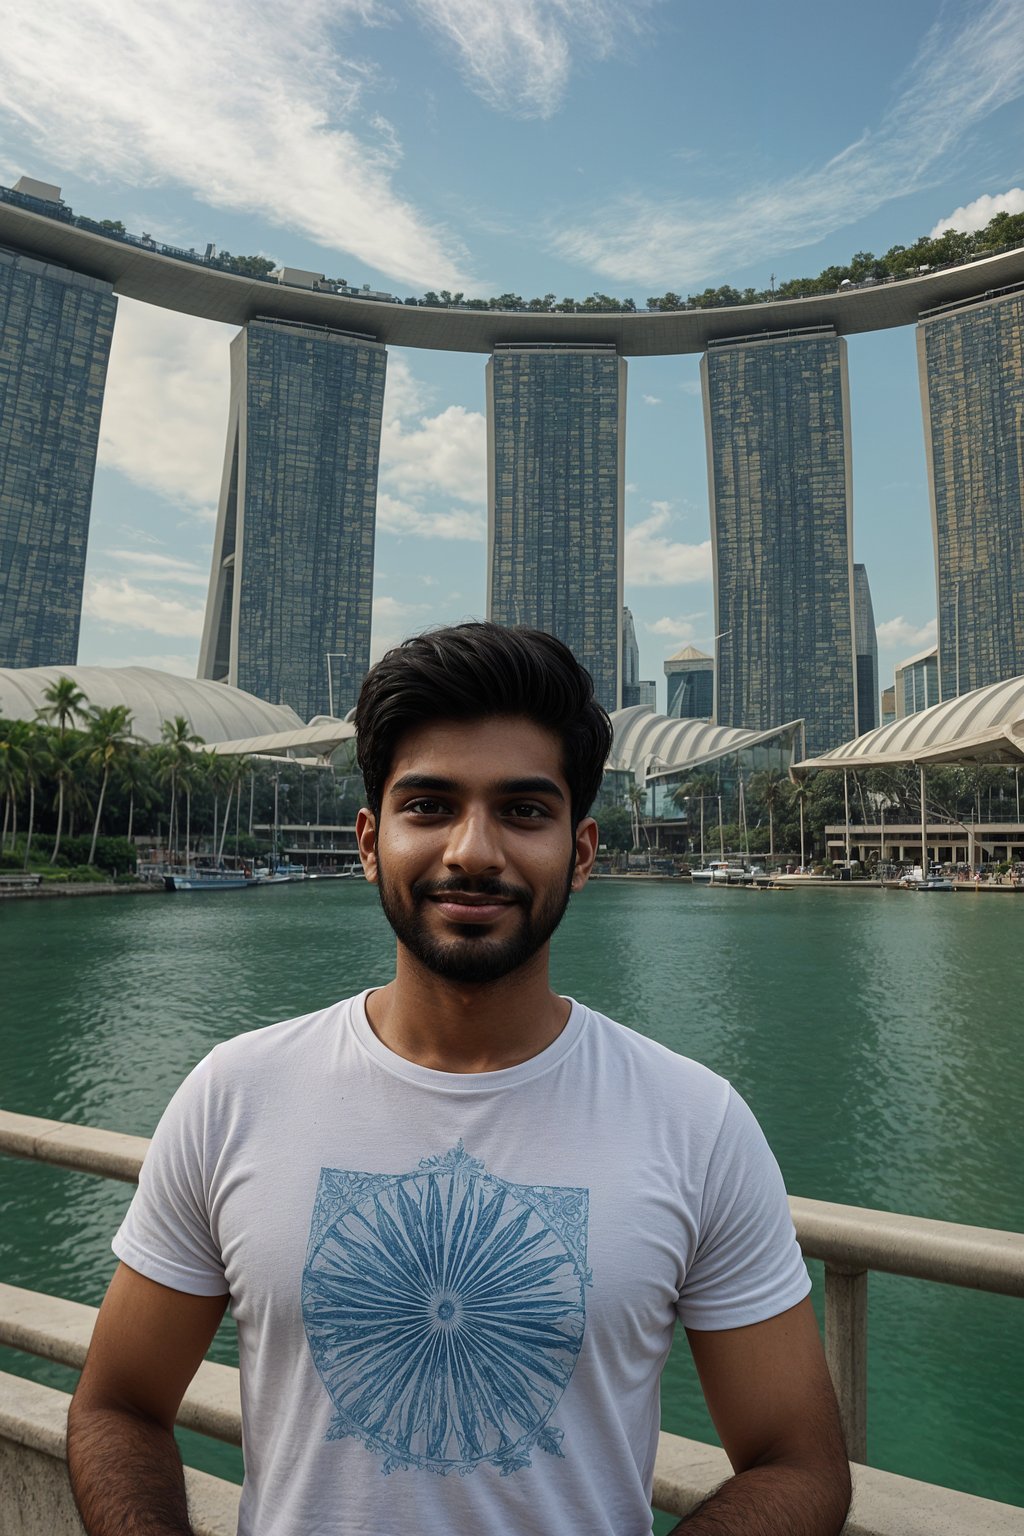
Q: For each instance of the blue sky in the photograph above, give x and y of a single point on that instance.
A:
(540, 146)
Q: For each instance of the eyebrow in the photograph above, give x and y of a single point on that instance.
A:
(427, 783)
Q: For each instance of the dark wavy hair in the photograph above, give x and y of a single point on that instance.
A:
(475, 672)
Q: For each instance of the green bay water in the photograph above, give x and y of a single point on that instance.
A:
(876, 1034)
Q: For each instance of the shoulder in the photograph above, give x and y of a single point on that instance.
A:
(277, 1050)
(670, 1080)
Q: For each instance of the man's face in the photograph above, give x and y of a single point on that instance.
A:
(474, 851)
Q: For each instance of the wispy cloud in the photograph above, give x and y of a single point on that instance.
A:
(248, 106)
(977, 214)
(147, 566)
(963, 72)
(900, 635)
(651, 399)
(396, 516)
(653, 559)
(165, 409)
(117, 602)
(517, 54)
(392, 622)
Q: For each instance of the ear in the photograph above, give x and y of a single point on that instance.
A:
(366, 837)
(586, 852)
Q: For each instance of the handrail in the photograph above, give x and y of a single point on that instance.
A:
(851, 1240)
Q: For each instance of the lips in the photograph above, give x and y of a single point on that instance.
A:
(465, 908)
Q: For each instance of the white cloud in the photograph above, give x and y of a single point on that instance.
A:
(517, 54)
(651, 399)
(677, 631)
(396, 516)
(900, 634)
(248, 106)
(392, 622)
(976, 215)
(654, 560)
(165, 408)
(117, 602)
(146, 566)
(426, 462)
(965, 70)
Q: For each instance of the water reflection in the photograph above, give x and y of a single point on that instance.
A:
(874, 1033)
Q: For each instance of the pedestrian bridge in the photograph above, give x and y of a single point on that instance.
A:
(35, 1498)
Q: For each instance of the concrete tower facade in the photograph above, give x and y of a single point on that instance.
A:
(865, 646)
(288, 616)
(971, 362)
(55, 332)
(776, 412)
(556, 423)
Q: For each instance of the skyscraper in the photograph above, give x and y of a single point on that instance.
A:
(916, 683)
(55, 333)
(865, 646)
(288, 616)
(776, 413)
(971, 363)
(556, 418)
(691, 684)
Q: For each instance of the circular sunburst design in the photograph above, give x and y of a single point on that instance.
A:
(444, 1310)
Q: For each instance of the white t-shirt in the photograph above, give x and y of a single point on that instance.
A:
(468, 1275)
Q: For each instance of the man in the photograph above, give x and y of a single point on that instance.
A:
(458, 1216)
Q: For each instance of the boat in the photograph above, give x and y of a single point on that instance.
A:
(934, 883)
(719, 872)
(191, 878)
(281, 873)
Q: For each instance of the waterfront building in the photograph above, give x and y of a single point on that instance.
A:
(288, 615)
(865, 646)
(55, 332)
(971, 359)
(917, 683)
(556, 421)
(776, 412)
(634, 689)
(691, 684)
(681, 763)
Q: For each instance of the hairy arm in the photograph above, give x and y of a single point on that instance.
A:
(125, 1470)
(769, 1393)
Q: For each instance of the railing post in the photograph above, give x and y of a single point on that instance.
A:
(846, 1349)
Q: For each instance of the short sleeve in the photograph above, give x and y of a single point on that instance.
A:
(747, 1265)
(166, 1233)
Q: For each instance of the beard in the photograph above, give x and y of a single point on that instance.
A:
(469, 954)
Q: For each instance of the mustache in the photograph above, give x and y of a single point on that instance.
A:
(481, 885)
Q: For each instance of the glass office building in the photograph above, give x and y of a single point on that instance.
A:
(691, 684)
(777, 421)
(972, 384)
(865, 646)
(556, 420)
(55, 332)
(916, 684)
(288, 617)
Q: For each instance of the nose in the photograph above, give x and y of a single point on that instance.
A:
(474, 845)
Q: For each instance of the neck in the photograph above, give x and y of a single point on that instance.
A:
(458, 1027)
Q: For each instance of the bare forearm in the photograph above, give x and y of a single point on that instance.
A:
(126, 1475)
(773, 1500)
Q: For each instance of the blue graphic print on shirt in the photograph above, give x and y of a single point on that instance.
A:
(445, 1310)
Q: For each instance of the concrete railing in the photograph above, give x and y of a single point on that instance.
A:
(850, 1241)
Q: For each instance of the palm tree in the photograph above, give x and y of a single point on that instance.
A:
(766, 790)
(799, 796)
(135, 774)
(65, 702)
(12, 774)
(636, 794)
(60, 764)
(107, 741)
(34, 755)
(177, 740)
